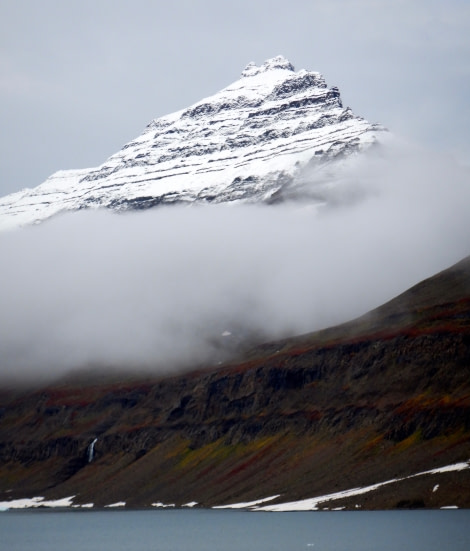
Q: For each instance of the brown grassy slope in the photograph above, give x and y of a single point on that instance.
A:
(384, 396)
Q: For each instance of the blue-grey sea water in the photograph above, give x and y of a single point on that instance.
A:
(207, 530)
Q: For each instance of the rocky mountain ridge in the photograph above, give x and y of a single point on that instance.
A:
(383, 397)
(248, 142)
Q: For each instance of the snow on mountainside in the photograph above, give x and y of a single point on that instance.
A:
(247, 142)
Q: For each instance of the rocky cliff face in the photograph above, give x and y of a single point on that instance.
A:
(248, 142)
(383, 397)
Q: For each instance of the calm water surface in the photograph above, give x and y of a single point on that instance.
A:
(205, 530)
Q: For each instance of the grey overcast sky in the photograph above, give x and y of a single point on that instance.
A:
(79, 78)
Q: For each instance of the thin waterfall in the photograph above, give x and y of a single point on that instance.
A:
(91, 450)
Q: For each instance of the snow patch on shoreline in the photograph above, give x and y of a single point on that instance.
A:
(191, 504)
(246, 504)
(311, 504)
(34, 502)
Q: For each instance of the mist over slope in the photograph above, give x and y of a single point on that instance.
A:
(164, 288)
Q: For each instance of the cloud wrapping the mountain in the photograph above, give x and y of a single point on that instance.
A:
(160, 289)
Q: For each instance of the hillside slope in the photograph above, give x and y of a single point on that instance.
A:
(382, 397)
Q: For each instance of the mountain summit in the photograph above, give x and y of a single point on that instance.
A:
(247, 142)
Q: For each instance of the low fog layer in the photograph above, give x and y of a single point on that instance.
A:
(164, 288)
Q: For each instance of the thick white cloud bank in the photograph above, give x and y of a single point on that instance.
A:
(159, 289)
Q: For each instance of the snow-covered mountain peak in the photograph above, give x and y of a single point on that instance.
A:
(276, 63)
(251, 141)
